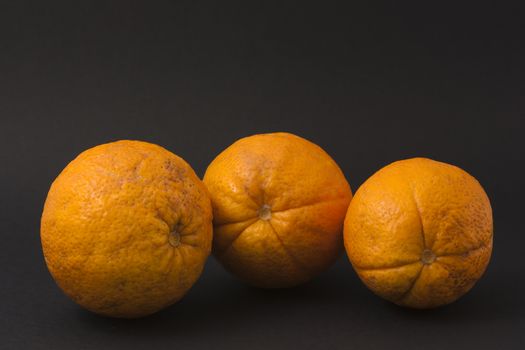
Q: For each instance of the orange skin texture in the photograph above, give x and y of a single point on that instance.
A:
(126, 229)
(419, 232)
(279, 203)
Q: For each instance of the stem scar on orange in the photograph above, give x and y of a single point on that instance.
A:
(419, 232)
(279, 203)
(126, 228)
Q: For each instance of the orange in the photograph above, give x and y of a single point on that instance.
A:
(126, 229)
(419, 232)
(279, 203)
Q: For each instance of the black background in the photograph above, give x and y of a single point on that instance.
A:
(370, 82)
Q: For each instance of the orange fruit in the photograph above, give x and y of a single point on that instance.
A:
(279, 203)
(419, 232)
(126, 228)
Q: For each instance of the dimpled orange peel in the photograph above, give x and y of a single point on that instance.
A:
(419, 232)
(279, 203)
(126, 229)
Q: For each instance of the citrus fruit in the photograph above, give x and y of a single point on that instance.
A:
(419, 232)
(126, 228)
(279, 203)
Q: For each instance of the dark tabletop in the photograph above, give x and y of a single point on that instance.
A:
(370, 82)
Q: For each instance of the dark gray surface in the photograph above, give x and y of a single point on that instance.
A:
(371, 83)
